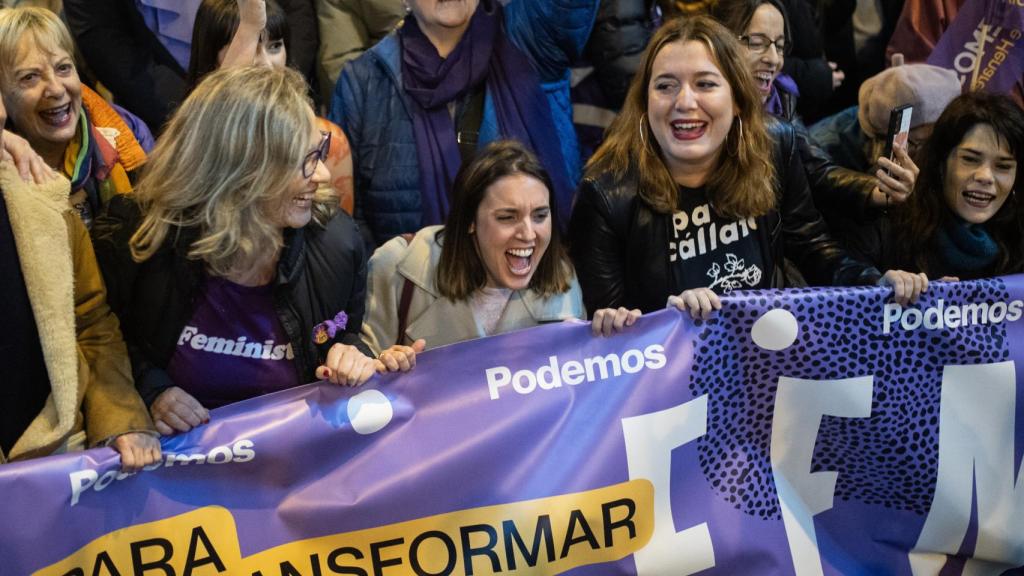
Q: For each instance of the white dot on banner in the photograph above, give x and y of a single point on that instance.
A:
(776, 330)
(369, 411)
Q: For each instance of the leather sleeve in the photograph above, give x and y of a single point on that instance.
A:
(807, 240)
(598, 249)
(835, 189)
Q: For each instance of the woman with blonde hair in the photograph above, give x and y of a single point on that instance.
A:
(230, 279)
(98, 146)
(692, 194)
(255, 32)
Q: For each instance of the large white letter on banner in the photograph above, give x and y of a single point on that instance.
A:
(976, 450)
(650, 439)
(799, 406)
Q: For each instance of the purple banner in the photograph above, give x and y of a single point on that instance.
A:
(799, 432)
(983, 45)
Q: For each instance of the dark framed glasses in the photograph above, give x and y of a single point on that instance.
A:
(319, 154)
(759, 43)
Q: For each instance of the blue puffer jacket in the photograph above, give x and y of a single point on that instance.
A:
(376, 115)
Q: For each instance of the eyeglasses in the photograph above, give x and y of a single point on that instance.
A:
(759, 43)
(317, 155)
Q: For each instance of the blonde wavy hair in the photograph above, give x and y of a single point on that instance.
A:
(222, 166)
(46, 28)
(742, 185)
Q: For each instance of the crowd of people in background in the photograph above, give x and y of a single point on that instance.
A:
(210, 200)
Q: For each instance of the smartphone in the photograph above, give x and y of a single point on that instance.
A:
(899, 129)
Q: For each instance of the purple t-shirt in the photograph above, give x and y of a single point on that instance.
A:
(233, 347)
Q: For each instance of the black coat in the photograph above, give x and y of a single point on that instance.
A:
(322, 271)
(840, 194)
(127, 57)
(131, 62)
(806, 62)
(621, 31)
(619, 243)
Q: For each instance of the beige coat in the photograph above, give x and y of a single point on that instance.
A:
(439, 320)
(90, 378)
(347, 29)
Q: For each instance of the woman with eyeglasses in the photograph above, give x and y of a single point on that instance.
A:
(840, 193)
(230, 279)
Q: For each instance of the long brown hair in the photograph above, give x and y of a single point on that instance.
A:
(460, 271)
(916, 222)
(742, 185)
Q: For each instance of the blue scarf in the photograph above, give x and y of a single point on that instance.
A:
(963, 249)
(484, 54)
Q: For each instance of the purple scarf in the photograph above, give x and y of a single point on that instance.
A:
(773, 105)
(483, 54)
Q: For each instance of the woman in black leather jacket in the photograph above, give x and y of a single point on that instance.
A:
(693, 194)
(841, 194)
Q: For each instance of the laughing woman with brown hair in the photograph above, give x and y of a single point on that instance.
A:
(692, 195)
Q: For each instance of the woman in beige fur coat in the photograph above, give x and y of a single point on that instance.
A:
(80, 354)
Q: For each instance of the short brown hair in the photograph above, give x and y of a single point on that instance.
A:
(742, 186)
(460, 270)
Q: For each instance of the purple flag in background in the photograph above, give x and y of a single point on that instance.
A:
(983, 45)
(798, 432)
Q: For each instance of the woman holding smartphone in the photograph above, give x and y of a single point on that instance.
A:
(964, 218)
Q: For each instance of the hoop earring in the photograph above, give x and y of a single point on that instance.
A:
(643, 139)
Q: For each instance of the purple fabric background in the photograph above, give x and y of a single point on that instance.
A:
(1005, 15)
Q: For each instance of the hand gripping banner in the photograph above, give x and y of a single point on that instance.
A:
(804, 432)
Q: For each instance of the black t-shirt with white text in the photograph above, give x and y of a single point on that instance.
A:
(709, 251)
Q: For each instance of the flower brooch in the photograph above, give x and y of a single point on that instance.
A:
(326, 330)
